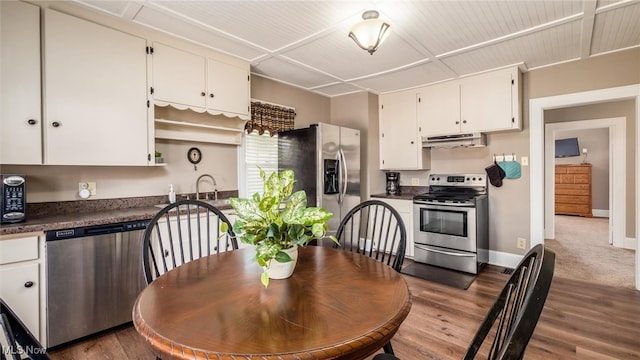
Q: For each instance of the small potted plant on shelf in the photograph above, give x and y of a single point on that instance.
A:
(277, 222)
(159, 158)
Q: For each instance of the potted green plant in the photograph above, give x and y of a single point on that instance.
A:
(159, 158)
(277, 221)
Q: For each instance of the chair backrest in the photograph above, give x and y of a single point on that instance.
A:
(374, 228)
(182, 232)
(513, 317)
(7, 340)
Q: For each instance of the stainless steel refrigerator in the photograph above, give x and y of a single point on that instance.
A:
(326, 162)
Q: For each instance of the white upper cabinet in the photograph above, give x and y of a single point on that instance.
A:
(482, 103)
(439, 108)
(178, 77)
(400, 141)
(96, 106)
(228, 88)
(191, 81)
(491, 101)
(20, 122)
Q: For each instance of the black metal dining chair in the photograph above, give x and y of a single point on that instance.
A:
(375, 229)
(512, 318)
(182, 232)
(8, 343)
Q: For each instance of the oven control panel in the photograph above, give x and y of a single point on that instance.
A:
(458, 180)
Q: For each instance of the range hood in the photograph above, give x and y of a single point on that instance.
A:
(475, 139)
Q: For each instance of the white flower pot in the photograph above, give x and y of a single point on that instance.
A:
(278, 270)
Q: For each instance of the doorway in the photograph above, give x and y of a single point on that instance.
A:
(536, 118)
(617, 160)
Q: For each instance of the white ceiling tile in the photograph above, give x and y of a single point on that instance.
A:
(116, 8)
(178, 27)
(615, 29)
(552, 45)
(338, 89)
(408, 78)
(270, 24)
(337, 54)
(444, 26)
(291, 73)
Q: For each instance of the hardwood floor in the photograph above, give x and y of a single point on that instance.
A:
(581, 320)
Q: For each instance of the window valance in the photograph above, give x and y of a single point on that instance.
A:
(270, 117)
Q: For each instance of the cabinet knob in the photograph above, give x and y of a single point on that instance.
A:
(166, 253)
(412, 142)
(211, 95)
(203, 94)
(28, 284)
(464, 121)
(55, 124)
(32, 121)
(457, 122)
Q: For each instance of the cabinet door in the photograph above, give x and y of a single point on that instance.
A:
(96, 94)
(20, 123)
(399, 139)
(439, 109)
(178, 76)
(486, 101)
(228, 88)
(19, 288)
(405, 209)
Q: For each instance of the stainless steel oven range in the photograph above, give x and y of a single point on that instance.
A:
(451, 222)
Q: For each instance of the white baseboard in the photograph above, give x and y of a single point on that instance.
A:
(629, 243)
(600, 213)
(504, 259)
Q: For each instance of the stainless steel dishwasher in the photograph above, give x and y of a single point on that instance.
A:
(94, 275)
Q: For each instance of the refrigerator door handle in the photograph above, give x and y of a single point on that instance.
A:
(344, 175)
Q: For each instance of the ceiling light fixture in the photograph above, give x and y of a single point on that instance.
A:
(370, 32)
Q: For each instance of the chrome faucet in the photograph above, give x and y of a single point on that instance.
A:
(215, 190)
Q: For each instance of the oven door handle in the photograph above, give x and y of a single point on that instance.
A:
(445, 252)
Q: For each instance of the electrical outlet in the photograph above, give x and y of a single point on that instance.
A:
(522, 243)
(524, 161)
(415, 181)
(91, 186)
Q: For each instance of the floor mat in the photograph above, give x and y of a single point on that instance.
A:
(456, 279)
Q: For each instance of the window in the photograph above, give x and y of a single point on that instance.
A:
(257, 150)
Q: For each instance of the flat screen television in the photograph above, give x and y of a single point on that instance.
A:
(567, 147)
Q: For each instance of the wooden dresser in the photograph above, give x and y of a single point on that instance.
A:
(573, 189)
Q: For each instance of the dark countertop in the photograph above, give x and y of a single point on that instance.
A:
(406, 193)
(72, 214)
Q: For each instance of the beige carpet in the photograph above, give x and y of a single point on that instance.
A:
(583, 252)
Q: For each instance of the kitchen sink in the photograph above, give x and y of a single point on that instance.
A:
(216, 203)
(219, 202)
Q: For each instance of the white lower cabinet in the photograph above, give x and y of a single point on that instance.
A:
(190, 239)
(22, 281)
(405, 210)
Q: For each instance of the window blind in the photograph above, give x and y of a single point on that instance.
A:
(260, 150)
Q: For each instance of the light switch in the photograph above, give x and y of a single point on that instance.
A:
(524, 160)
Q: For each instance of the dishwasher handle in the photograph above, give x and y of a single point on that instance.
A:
(96, 230)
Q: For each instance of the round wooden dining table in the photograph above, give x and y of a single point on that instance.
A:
(336, 305)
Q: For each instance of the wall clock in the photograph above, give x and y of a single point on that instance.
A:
(194, 155)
